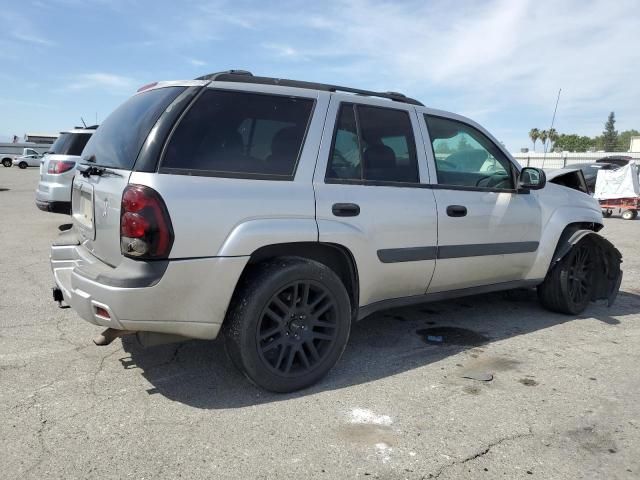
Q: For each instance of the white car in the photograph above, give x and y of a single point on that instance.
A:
(29, 158)
(57, 170)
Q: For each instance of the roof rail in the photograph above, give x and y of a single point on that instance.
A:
(244, 76)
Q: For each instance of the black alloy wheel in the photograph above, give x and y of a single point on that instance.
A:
(297, 328)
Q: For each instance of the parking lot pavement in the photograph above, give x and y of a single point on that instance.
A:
(563, 401)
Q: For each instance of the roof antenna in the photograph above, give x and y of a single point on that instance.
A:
(85, 125)
(553, 119)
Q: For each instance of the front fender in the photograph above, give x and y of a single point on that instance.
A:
(552, 230)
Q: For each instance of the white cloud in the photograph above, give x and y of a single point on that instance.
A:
(101, 80)
(196, 63)
(282, 50)
(486, 59)
(32, 38)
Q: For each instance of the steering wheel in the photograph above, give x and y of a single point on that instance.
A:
(341, 160)
(446, 165)
(481, 179)
(501, 183)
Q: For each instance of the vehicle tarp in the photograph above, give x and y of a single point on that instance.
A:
(620, 183)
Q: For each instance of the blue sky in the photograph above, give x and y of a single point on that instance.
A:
(499, 62)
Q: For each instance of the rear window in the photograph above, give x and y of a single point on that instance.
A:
(240, 134)
(119, 139)
(70, 143)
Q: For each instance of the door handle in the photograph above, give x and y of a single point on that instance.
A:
(345, 209)
(456, 210)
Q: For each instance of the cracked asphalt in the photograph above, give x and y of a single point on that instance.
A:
(563, 401)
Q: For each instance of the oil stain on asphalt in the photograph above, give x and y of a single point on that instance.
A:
(452, 336)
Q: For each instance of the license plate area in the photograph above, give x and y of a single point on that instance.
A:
(83, 211)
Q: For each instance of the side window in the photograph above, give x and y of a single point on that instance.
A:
(240, 133)
(384, 149)
(466, 157)
(345, 160)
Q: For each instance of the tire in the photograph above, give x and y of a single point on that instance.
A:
(568, 286)
(607, 213)
(288, 323)
(7, 162)
(629, 214)
(23, 165)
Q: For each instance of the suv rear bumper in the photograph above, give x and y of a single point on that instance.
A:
(54, 207)
(182, 297)
(50, 191)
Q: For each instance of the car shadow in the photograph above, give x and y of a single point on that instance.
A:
(199, 374)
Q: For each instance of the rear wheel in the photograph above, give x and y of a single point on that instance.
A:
(23, 165)
(569, 285)
(288, 324)
(629, 214)
(607, 213)
(7, 162)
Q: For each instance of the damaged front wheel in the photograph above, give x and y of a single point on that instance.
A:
(585, 269)
(568, 287)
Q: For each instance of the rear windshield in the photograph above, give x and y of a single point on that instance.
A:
(118, 140)
(70, 144)
(240, 134)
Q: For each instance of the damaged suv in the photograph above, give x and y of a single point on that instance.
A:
(277, 212)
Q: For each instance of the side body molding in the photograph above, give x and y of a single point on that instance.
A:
(249, 236)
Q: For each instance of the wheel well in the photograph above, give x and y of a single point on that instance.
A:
(336, 257)
(568, 231)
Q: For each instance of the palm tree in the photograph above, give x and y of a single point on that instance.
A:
(553, 136)
(544, 135)
(534, 135)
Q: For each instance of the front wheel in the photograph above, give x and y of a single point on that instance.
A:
(629, 214)
(7, 162)
(288, 324)
(569, 285)
(23, 165)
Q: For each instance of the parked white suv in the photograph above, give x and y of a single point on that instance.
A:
(57, 170)
(278, 212)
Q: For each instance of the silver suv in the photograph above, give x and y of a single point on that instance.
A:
(278, 212)
(57, 170)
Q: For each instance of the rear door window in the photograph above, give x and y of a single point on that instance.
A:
(240, 134)
(118, 140)
(373, 143)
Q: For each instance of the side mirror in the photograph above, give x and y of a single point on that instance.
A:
(531, 179)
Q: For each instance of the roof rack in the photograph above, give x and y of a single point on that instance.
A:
(243, 76)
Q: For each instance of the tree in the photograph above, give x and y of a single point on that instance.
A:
(624, 140)
(443, 147)
(574, 143)
(544, 135)
(534, 135)
(463, 144)
(610, 135)
(552, 135)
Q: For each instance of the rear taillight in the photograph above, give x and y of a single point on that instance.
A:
(60, 166)
(145, 226)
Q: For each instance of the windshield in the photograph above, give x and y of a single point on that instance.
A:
(69, 144)
(119, 139)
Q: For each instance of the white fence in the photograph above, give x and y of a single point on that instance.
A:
(559, 160)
